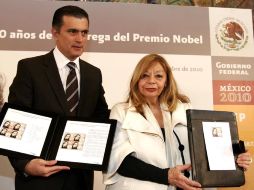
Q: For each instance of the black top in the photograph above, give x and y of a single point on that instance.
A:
(138, 169)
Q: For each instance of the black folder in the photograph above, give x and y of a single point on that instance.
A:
(75, 142)
(199, 159)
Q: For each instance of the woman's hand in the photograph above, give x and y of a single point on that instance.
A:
(43, 168)
(177, 179)
(244, 160)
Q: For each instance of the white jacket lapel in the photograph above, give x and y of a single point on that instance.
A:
(136, 122)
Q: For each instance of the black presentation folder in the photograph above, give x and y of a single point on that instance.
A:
(74, 142)
(199, 159)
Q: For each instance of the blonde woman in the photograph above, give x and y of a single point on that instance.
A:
(145, 151)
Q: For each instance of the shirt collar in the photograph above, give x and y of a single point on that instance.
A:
(62, 61)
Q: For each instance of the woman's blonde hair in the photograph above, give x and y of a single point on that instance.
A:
(169, 95)
(2, 84)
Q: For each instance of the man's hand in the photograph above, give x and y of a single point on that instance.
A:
(43, 168)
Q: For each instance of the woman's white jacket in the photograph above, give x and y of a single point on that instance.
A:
(142, 137)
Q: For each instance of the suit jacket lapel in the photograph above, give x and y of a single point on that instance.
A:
(84, 88)
(52, 73)
(82, 83)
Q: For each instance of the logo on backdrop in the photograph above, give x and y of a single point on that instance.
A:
(231, 34)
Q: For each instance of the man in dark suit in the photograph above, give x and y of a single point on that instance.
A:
(41, 84)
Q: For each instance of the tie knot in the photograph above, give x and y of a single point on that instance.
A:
(71, 65)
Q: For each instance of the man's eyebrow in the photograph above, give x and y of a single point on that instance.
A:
(76, 30)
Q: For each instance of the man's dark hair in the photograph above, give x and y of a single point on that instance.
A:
(69, 10)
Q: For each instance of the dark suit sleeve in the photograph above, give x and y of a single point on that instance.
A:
(101, 110)
(21, 94)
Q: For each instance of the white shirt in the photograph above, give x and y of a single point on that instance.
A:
(63, 69)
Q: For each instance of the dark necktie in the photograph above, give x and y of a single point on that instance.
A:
(72, 90)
